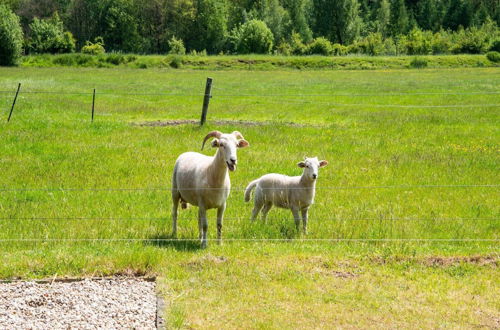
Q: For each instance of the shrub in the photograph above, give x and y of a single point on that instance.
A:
(372, 44)
(493, 56)
(255, 38)
(495, 45)
(418, 63)
(176, 46)
(320, 46)
(296, 44)
(284, 48)
(11, 37)
(418, 42)
(94, 48)
(441, 43)
(175, 61)
(339, 50)
(48, 36)
(389, 47)
(471, 41)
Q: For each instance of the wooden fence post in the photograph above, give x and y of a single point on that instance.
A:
(93, 102)
(14, 103)
(206, 101)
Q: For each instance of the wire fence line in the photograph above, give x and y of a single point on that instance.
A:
(292, 100)
(424, 186)
(236, 219)
(159, 240)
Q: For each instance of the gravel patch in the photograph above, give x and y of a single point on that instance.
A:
(86, 304)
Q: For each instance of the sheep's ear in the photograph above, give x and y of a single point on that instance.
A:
(215, 143)
(243, 143)
(323, 163)
(301, 164)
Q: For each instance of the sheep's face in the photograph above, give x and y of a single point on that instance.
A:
(311, 167)
(228, 144)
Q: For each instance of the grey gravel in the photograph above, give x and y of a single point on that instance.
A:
(86, 304)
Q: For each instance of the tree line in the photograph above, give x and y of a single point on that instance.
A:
(258, 26)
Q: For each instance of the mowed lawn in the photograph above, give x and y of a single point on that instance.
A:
(404, 231)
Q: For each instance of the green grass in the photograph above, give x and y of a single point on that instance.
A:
(398, 143)
(255, 62)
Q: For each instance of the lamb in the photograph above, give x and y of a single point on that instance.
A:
(295, 193)
(204, 181)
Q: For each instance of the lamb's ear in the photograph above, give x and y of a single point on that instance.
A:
(323, 163)
(301, 164)
(243, 143)
(215, 143)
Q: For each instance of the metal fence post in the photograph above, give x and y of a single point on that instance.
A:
(206, 101)
(14, 103)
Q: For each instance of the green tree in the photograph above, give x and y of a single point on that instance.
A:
(399, 18)
(48, 36)
(276, 18)
(426, 15)
(210, 28)
(338, 20)
(11, 36)
(383, 18)
(255, 37)
(299, 20)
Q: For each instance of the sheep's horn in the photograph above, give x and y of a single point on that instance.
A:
(238, 135)
(216, 134)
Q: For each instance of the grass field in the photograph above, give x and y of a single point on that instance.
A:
(414, 154)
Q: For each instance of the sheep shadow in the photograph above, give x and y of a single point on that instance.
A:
(168, 241)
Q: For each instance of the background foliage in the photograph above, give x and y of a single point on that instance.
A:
(296, 26)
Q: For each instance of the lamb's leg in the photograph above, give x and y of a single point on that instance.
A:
(304, 218)
(295, 212)
(257, 206)
(175, 204)
(202, 216)
(265, 210)
(220, 216)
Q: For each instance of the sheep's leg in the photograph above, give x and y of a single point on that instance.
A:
(265, 211)
(175, 201)
(220, 216)
(304, 219)
(202, 216)
(257, 206)
(295, 212)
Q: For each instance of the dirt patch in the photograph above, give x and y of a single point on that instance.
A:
(435, 261)
(205, 262)
(322, 266)
(247, 123)
(452, 261)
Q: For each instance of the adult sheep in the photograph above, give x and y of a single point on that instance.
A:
(203, 181)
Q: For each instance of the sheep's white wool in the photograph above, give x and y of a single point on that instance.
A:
(295, 193)
(204, 181)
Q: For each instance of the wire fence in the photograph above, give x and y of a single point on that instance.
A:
(421, 186)
(262, 97)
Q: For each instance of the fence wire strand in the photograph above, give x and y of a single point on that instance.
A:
(10, 240)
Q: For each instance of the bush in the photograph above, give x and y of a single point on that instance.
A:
(495, 45)
(48, 36)
(284, 48)
(441, 43)
(418, 63)
(418, 42)
(94, 48)
(11, 37)
(175, 61)
(493, 56)
(255, 37)
(372, 45)
(339, 50)
(471, 41)
(320, 46)
(176, 46)
(296, 44)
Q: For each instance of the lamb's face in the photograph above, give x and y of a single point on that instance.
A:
(311, 167)
(228, 145)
